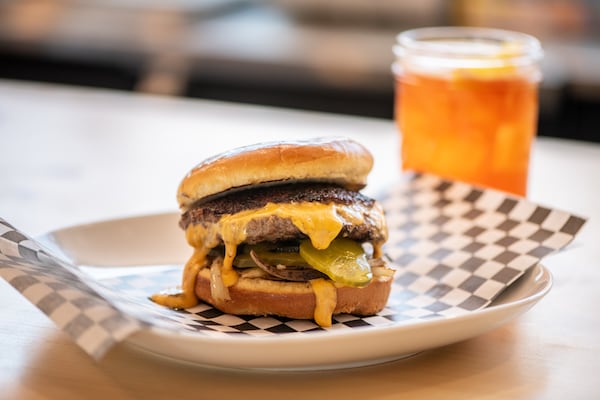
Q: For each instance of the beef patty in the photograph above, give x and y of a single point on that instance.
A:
(273, 228)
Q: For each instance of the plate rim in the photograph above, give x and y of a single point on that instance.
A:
(140, 339)
(503, 312)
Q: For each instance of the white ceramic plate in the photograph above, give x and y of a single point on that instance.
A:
(156, 240)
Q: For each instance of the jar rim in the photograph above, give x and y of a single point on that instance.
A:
(441, 42)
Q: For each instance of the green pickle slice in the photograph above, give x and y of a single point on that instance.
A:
(343, 261)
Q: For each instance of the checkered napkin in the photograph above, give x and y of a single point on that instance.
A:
(455, 248)
(62, 292)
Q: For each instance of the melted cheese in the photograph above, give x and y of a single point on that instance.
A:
(326, 300)
(322, 223)
(186, 297)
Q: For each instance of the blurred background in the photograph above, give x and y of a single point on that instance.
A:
(331, 56)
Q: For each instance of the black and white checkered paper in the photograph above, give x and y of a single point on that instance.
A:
(455, 248)
(62, 292)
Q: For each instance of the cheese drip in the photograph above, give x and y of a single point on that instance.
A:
(186, 297)
(326, 301)
(322, 223)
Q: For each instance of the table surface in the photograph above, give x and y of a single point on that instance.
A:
(70, 156)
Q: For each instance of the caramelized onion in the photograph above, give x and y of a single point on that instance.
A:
(218, 290)
(296, 274)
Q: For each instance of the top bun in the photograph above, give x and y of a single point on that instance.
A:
(336, 160)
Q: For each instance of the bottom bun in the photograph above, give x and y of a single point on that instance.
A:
(258, 296)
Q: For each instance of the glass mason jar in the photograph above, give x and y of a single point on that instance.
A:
(467, 103)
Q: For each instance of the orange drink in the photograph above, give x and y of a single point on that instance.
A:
(466, 104)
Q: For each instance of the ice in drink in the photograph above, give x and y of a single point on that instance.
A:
(467, 109)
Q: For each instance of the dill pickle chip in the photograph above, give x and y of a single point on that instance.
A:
(344, 261)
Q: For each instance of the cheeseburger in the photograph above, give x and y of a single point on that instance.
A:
(282, 229)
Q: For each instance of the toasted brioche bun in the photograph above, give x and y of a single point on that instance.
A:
(259, 296)
(336, 160)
